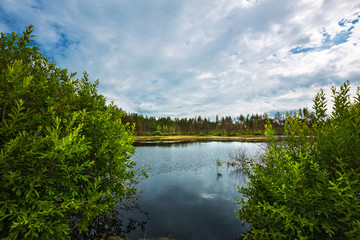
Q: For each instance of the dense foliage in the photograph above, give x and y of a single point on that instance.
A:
(65, 155)
(308, 186)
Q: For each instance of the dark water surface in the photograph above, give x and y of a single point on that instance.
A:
(186, 195)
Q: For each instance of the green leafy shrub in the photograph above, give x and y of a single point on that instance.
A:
(308, 185)
(64, 153)
(157, 133)
(258, 132)
(216, 133)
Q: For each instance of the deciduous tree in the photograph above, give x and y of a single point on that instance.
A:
(64, 152)
(308, 185)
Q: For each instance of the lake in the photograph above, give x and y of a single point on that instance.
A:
(187, 196)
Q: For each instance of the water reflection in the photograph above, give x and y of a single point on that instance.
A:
(125, 219)
(182, 195)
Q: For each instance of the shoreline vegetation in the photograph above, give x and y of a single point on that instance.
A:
(65, 156)
(307, 186)
(151, 140)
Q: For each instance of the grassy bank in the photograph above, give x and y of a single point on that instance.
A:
(141, 140)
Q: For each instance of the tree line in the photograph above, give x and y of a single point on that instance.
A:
(253, 124)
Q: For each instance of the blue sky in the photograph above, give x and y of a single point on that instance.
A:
(184, 58)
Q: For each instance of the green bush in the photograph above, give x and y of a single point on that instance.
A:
(258, 132)
(64, 153)
(215, 133)
(308, 186)
(157, 133)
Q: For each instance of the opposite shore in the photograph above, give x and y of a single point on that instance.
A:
(149, 140)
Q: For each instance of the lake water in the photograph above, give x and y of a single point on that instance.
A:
(187, 196)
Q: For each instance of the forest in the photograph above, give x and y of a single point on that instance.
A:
(253, 124)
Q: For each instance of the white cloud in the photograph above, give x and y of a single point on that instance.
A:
(205, 75)
(198, 57)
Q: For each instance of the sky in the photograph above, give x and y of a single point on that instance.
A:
(185, 58)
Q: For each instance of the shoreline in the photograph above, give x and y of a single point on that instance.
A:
(154, 140)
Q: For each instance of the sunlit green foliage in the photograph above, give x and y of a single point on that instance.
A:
(308, 186)
(64, 153)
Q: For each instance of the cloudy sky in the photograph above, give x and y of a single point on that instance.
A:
(184, 58)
